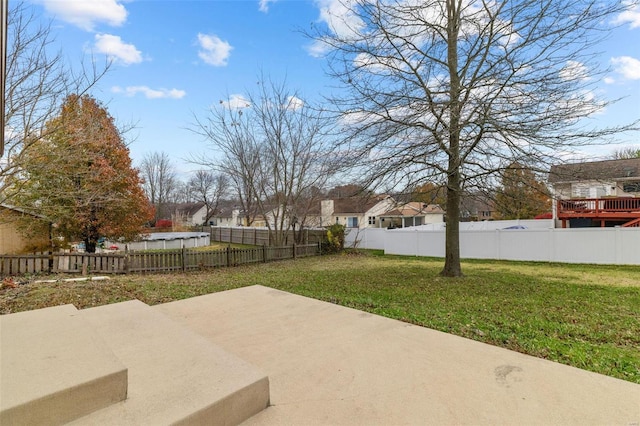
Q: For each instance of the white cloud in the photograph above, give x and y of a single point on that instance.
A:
(150, 93)
(115, 48)
(213, 50)
(11, 133)
(264, 5)
(609, 80)
(627, 66)
(236, 102)
(86, 14)
(294, 103)
(630, 16)
(574, 70)
(341, 20)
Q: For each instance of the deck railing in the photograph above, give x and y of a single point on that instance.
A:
(599, 205)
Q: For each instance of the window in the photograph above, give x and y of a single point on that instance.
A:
(631, 186)
(372, 220)
(352, 222)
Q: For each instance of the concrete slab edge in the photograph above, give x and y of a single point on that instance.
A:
(71, 403)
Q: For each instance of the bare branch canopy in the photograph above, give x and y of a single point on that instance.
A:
(454, 91)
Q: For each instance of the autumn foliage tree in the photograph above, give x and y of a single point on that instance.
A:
(521, 195)
(81, 179)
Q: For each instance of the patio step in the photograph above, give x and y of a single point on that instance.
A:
(54, 368)
(175, 375)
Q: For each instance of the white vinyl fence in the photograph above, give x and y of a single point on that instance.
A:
(618, 246)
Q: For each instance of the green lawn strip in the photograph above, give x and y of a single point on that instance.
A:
(582, 315)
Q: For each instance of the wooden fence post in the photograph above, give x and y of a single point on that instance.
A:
(184, 258)
(294, 250)
(229, 255)
(264, 253)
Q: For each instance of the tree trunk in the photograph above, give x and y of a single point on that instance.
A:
(452, 246)
(90, 245)
(91, 233)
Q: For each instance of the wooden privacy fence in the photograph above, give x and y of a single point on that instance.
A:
(25, 264)
(259, 236)
(141, 262)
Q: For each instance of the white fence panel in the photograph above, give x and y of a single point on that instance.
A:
(430, 244)
(629, 246)
(525, 244)
(479, 244)
(369, 238)
(586, 245)
(404, 243)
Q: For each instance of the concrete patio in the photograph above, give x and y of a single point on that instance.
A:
(329, 364)
(222, 358)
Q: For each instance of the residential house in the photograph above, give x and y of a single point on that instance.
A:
(228, 214)
(477, 207)
(597, 193)
(356, 212)
(183, 214)
(189, 214)
(306, 214)
(412, 214)
(13, 241)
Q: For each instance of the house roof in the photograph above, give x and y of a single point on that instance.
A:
(415, 208)
(475, 202)
(226, 207)
(356, 204)
(595, 170)
(167, 210)
(188, 209)
(20, 210)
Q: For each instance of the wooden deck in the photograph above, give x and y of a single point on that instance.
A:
(624, 211)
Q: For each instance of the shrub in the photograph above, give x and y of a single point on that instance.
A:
(335, 238)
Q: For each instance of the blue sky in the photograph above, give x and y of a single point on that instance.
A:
(176, 58)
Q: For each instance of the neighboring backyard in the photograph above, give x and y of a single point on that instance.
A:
(583, 315)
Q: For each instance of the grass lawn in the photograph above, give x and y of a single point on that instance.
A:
(583, 315)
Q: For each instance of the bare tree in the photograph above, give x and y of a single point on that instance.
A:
(274, 154)
(183, 193)
(456, 90)
(626, 153)
(160, 181)
(230, 131)
(37, 82)
(209, 188)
